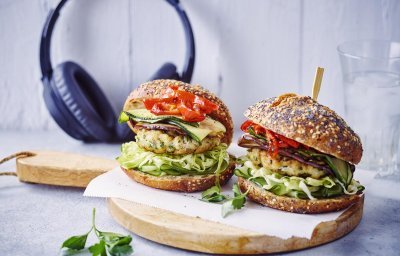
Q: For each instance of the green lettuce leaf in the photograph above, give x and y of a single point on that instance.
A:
(134, 157)
(340, 168)
(304, 188)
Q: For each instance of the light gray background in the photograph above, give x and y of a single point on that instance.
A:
(246, 50)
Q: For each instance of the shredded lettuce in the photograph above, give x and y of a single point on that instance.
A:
(210, 162)
(304, 188)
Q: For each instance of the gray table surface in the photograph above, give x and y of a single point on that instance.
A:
(35, 219)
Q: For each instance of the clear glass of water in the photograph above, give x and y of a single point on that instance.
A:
(371, 77)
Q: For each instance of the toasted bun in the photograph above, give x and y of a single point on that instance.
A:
(154, 89)
(296, 205)
(184, 183)
(304, 120)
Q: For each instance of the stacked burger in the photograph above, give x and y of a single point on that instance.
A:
(182, 134)
(301, 156)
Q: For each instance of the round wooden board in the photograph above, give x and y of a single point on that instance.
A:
(201, 235)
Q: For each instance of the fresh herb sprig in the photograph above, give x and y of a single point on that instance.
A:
(213, 195)
(235, 203)
(109, 243)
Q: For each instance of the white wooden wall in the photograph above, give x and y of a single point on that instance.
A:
(247, 50)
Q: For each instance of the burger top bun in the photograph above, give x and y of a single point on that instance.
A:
(304, 120)
(155, 89)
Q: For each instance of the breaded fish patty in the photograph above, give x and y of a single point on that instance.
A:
(283, 165)
(160, 142)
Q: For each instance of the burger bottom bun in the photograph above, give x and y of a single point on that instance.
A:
(296, 205)
(183, 183)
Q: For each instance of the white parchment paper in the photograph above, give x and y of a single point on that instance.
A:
(252, 217)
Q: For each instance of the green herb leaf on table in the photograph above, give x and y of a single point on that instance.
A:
(114, 238)
(98, 249)
(110, 243)
(122, 250)
(213, 195)
(116, 244)
(76, 242)
(235, 203)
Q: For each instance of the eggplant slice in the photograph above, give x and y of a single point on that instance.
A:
(249, 141)
(160, 126)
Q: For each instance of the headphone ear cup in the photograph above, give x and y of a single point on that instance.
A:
(167, 71)
(61, 114)
(86, 104)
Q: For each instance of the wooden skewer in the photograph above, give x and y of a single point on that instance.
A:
(317, 82)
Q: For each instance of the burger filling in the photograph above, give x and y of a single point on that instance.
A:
(161, 142)
(286, 167)
(137, 158)
(175, 136)
(283, 165)
(173, 139)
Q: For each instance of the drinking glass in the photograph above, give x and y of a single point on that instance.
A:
(371, 77)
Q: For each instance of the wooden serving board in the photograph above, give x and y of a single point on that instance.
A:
(62, 169)
(201, 235)
(165, 227)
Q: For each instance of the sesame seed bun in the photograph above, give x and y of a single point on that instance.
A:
(296, 205)
(156, 88)
(304, 120)
(183, 183)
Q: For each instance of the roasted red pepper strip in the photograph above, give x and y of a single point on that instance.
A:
(292, 143)
(190, 114)
(276, 140)
(174, 101)
(163, 108)
(246, 125)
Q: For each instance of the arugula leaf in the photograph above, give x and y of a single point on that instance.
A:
(235, 203)
(75, 242)
(213, 195)
(98, 249)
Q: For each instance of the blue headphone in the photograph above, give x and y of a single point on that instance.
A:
(77, 103)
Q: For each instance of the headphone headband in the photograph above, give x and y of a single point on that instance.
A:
(45, 60)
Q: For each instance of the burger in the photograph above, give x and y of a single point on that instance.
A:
(182, 134)
(301, 156)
